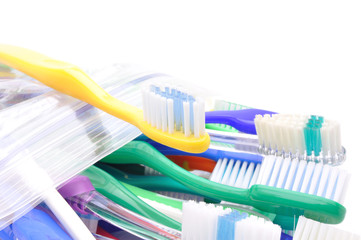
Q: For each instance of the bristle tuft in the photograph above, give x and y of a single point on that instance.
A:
(172, 109)
(305, 137)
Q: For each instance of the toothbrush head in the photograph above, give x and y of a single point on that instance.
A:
(174, 118)
(306, 137)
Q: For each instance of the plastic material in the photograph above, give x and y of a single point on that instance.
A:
(265, 198)
(62, 135)
(242, 120)
(115, 191)
(211, 153)
(96, 204)
(36, 224)
(69, 79)
(152, 183)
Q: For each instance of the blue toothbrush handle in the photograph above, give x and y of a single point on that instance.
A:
(286, 237)
(210, 153)
(242, 120)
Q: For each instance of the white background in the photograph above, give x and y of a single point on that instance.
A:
(284, 56)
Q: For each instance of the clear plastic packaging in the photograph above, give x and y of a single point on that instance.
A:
(62, 136)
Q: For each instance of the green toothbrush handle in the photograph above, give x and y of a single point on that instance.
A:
(143, 153)
(152, 183)
(115, 191)
(286, 202)
(269, 199)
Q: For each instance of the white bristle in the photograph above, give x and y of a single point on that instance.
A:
(299, 174)
(315, 178)
(174, 109)
(331, 182)
(268, 170)
(283, 172)
(233, 176)
(202, 116)
(216, 170)
(163, 107)
(307, 176)
(186, 121)
(275, 170)
(158, 114)
(197, 120)
(227, 172)
(296, 175)
(342, 183)
(248, 175)
(291, 174)
(170, 113)
(199, 220)
(253, 228)
(308, 229)
(259, 129)
(241, 175)
(255, 175)
(323, 180)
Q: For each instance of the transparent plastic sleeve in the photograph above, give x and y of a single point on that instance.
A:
(62, 136)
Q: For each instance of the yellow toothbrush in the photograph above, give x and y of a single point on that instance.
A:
(158, 121)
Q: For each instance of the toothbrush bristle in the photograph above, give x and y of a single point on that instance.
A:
(171, 109)
(308, 229)
(209, 222)
(296, 175)
(302, 136)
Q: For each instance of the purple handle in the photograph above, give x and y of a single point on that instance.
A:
(242, 120)
(77, 186)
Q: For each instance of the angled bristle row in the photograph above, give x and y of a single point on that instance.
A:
(301, 135)
(209, 222)
(308, 229)
(235, 173)
(297, 175)
(306, 177)
(171, 109)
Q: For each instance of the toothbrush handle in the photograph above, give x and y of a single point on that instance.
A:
(66, 78)
(242, 120)
(65, 214)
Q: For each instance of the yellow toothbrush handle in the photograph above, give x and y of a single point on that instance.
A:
(69, 79)
(66, 78)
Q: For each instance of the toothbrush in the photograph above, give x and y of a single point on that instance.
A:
(308, 229)
(306, 137)
(170, 116)
(211, 153)
(81, 194)
(269, 199)
(208, 222)
(292, 175)
(242, 120)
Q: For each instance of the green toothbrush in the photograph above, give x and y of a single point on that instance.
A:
(265, 198)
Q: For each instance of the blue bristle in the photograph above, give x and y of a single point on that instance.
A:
(226, 225)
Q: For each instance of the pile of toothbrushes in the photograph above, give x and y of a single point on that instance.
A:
(202, 169)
